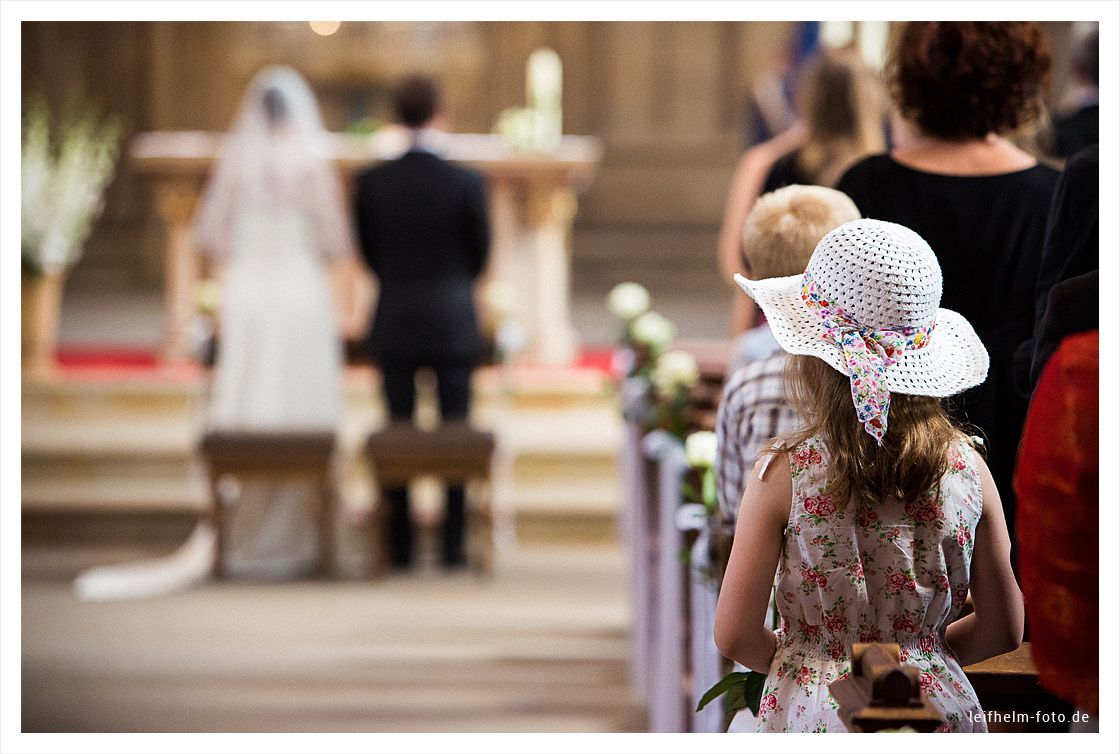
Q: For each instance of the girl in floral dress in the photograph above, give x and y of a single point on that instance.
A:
(879, 516)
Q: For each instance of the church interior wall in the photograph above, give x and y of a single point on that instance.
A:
(662, 96)
(667, 99)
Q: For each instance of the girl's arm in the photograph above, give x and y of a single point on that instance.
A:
(740, 631)
(996, 625)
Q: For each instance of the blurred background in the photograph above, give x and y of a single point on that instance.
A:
(668, 100)
(113, 418)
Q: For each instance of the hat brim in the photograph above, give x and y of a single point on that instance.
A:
(952, 361)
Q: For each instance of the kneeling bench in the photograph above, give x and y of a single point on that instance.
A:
(272, 455)
(454, 453)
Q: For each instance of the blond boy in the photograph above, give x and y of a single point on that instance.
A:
(780, 234)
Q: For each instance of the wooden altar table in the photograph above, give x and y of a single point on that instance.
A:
(533, 205)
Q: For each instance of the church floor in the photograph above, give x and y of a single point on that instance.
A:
(539, 646)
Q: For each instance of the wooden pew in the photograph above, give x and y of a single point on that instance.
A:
(639, 478)
(683, 599)
(1009, 691)
(670, 698)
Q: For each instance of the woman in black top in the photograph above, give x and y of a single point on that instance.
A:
(979, 201)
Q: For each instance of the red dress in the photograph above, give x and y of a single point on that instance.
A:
(1057, 526)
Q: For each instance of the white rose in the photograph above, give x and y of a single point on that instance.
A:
(628, 300)
(675, 369)
(207, 296)
(652, 329)
(500, 298)
(700, 449)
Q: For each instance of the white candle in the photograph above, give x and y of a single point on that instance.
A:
(544, 78)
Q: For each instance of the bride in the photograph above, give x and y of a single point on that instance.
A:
(271, 216)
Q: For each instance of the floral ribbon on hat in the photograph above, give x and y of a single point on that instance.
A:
(867, 353)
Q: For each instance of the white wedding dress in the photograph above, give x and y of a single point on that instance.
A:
(271, 216)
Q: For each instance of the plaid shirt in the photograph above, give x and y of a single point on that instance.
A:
(752, 412)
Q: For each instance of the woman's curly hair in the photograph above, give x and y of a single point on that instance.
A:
(965, 79)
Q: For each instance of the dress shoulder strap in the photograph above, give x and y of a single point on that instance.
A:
(767, 455)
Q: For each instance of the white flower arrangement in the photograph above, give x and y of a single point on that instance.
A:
(207, 296)
(63, 185)
(502, 304)
(700, 449)
(628, 300)
(653, 330)
(675, 370)
(500, 298)
(515, 125)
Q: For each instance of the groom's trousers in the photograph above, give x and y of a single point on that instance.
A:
(453, 387)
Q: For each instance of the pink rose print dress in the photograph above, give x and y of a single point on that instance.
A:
(894, 572)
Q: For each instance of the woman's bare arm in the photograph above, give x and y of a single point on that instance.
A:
(746, 185)
(352, 290)
(740, 631)
(996, 625)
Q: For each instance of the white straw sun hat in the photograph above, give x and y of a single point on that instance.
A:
(867, 279)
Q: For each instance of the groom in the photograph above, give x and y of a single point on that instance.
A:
(424, 231)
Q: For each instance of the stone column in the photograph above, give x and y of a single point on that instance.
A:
(176, 201)
(504, 236)
(550, 209)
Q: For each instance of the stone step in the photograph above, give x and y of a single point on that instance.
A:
(130, 445)
(580, 480)
(184, 391)
(180, 483)
(135, 491)
(555, 437)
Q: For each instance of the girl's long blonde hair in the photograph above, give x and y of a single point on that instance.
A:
(844, 105)
(913, 457)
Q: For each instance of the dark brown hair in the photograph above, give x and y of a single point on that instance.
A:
(416, 100)
(914, 454)
(965, 79)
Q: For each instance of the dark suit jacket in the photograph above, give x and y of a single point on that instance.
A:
(1072, 307)
(1076, 131)
(424, 232)
(1071, 246)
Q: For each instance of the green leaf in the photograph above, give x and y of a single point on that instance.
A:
(743, 689)
(724, 685)
(752, 691)
(708, 492)
(735, 699)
